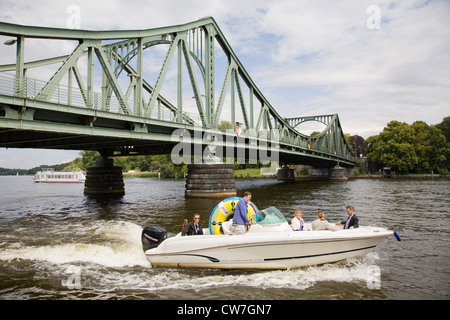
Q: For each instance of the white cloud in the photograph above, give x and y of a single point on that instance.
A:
(367, 76)
(307, 57)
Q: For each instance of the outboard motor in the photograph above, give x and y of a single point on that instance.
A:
(152, 236)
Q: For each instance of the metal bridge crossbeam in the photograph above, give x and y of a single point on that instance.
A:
(131, 111)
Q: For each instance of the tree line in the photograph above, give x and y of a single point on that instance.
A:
(156, 163)
(415, 148)
(32, 171)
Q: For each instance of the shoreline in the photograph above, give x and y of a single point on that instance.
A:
(297, 178)
(403, 176)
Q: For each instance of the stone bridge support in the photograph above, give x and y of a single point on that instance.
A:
(286, 174)
(210, 180)
(104, 179)
(335, 173)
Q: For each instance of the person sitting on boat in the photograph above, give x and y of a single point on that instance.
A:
(321, 224)
(297, 223)
(352, 220)
(240, 220)
(193, 228)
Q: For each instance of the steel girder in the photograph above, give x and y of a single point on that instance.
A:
(194, 44)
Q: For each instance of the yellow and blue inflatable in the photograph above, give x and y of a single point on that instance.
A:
(224, 211)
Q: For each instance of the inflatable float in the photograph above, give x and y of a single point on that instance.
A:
(224, 211)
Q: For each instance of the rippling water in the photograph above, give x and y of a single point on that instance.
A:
(58, 244)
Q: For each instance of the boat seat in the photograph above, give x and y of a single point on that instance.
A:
(226, 226)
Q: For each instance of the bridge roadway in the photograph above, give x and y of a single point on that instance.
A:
(130, 116)
(48, 126)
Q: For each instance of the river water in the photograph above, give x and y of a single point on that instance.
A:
(55, 243)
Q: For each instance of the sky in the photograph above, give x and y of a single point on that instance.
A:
(369, 61)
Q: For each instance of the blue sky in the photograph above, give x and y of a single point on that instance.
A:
(307, 57)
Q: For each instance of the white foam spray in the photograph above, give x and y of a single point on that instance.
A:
(113, 258)
(119, 247)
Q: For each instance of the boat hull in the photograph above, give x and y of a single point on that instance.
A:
(254, 251)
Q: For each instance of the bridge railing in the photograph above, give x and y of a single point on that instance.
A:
(72, 96)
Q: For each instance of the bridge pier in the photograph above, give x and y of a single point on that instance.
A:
(104, 179)
(210, 180)
(338, 173)
(335, 173)
(285, 174)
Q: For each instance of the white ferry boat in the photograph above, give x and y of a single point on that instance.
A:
(51, 176)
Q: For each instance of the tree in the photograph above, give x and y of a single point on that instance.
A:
(394, 147)
(225, 125)
(74, 165)
(431, 148)
(422, 146)
(164, 165)
(357, 144)
(416, 148)
(440, 151)
(89, 158)
(444, 126)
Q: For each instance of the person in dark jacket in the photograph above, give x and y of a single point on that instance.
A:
(194, 227)
(352, 220)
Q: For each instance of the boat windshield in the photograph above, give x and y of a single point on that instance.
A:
(268, 216)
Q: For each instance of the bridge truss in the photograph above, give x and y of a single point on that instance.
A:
(114, 91)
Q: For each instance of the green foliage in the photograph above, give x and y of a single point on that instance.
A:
(225, 125)
(159, 163)
(394, 147)
(444, 126)
(416, 148)
(75, 165)
(32, 171)
(88, 158)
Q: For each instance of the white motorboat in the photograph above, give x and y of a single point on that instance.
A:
(270, 243)
(49, 175)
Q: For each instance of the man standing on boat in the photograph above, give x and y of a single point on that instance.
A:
(352, 220)
(240, 220)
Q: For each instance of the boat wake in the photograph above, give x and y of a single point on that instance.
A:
(113, 262)
(297, 279)
(110, 243)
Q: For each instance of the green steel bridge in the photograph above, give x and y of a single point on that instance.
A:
(125, 92)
